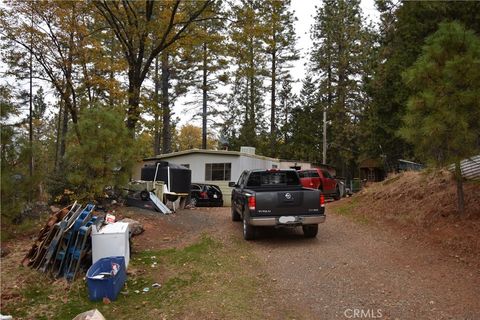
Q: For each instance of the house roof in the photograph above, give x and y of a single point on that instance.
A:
(371, 163)
(204, 151)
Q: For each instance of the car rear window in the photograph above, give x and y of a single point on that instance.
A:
(214, 189)
(308, 174)
(313, 174)
(275, 178)
(327, 174)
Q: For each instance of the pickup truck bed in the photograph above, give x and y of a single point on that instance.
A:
(275, 198)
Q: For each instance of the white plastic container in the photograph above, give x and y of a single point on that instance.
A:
(111, 240)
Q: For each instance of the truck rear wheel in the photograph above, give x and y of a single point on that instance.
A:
(235, 215)
(310, 231)
(248, 230)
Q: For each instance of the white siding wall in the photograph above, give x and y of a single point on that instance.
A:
(248, 163)
(197, 163)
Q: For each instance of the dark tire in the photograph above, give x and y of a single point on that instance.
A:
(248, 230)
(310, 231)
(337, 194)
(144, 195)
(235, 215)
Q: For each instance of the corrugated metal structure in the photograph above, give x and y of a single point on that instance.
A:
(470, 167)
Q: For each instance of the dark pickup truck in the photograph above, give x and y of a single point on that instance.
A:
(275, 198)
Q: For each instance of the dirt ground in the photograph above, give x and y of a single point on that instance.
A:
(350, 270)
(424, 206)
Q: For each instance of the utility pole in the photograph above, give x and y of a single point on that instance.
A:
(324, 155)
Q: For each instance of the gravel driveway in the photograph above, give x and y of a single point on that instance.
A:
(354, 271)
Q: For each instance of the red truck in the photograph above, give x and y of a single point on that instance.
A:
(321, 179)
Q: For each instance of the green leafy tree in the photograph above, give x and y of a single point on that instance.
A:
(106, 155)
(443, 113)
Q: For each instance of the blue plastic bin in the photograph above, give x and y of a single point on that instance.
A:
(109, 286)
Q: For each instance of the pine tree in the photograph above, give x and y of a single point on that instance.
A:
(443, 113)
(107, 153)
(403, 29)
(305, 128)
(247, 47)
(280, 48)
(338, 43)
(14, 147)
(204, 53)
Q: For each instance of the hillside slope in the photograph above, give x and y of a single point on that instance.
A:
(423, 205)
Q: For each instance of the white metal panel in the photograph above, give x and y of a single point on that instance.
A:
(112, 240)
(470, 167)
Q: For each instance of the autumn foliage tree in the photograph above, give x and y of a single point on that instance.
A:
(190, 137)
(144, 29)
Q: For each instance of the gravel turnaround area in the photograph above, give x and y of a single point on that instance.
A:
(354, 271)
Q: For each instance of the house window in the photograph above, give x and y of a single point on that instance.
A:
(218, 171)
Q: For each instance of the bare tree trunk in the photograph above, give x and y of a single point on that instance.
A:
(166, 134)
(134, 85)
(273, 128)
(156, 135)
(57, 142)
(252, 88)
(110, 71)
(460, 196)
(63, 138)
(133, 102)
(204, 89)
(30, 120)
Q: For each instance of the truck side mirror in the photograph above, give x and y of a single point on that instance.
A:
(232, 184)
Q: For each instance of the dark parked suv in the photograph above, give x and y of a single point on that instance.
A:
(208, 195)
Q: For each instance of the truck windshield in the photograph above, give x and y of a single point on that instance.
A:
(286, 178)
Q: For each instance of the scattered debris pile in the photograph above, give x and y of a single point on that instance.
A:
(63, 243)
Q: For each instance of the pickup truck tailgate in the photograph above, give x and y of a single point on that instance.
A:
(279, 203)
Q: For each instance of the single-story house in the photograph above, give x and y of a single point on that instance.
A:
(219, 166)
